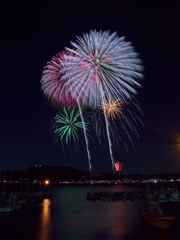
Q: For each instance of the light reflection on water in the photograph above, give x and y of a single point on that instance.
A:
(97, 219)
(69, 216)
(45, 220)
(76, 218)
(81, 219)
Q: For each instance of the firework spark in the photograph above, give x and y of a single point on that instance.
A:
(112, 108)
(100, 66)
(68, 128)
(57, 89)
(118, 166)
(121, 130)
(101, 61)
(54, 88)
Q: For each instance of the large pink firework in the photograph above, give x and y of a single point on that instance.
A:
(54, 87)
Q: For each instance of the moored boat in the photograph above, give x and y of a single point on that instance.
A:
(9, 205)
(174, 196)
(163, 197)
(9, 208)
(156, 218)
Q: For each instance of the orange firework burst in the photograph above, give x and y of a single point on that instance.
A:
(112, 108)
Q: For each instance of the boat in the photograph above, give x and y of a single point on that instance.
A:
(9, 205)
(174, 196)
(163, 197)
(9, 208)
(155, 217)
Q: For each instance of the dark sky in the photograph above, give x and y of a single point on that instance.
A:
(32, 32)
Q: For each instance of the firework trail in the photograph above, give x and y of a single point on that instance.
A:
(102, 66)
(124, 126)
(57, 89)
(111, 109)
(108, 133)
(85, 136)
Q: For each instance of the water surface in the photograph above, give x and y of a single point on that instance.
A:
(69, 216)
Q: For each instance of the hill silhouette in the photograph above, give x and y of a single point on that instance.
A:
(57, 174)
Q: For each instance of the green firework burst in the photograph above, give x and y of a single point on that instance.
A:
(68, 128)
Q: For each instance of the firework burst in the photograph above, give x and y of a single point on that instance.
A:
(57, 89)
(52, 84)
(102, 65)
(112, 108)
(123, 129)
(68, 128)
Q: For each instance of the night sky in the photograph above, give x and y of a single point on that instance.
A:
(32, 32)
